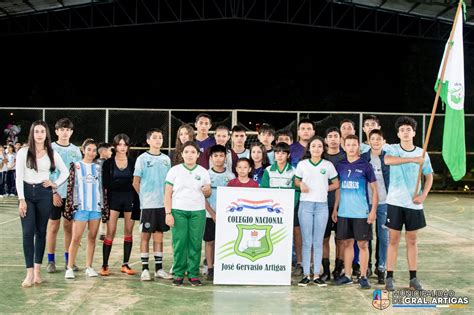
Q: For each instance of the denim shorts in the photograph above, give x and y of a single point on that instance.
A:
(85, 215)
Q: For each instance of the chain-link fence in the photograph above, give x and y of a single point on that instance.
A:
(104, 124)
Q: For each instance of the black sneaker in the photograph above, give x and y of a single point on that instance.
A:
(380, 277)
(195, 282)
(326, 277)
(178, 281)
(320, 282)
(304, 282)
(343, 279)
(336, 274)
(210, 274)
(356, 271)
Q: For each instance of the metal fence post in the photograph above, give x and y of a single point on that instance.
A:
(106, 125)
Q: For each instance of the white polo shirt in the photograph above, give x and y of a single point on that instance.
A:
(187, 184)
(316, 177)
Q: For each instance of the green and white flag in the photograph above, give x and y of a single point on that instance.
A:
(452, 94)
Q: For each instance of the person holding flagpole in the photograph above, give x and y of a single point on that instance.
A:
(404, 208)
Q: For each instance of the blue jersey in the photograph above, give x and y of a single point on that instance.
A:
(69, 154)
(354, 178)
(152, 170)
(88, 186)
(403, 177)
(218, 180)
(206, 143)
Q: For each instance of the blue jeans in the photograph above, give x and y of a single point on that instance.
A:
(382, 235)
(39, 202)
(313, 218)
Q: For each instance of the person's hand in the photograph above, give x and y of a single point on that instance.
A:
(213, 216)
(22, 208)
(304, 188)
(57, 200)
(334, 216)
(206, 189)
(419, 199)
(371, 217)
(48, 183)
(169, 220)
(418, 160)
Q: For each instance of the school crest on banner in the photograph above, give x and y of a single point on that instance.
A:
(254, 231)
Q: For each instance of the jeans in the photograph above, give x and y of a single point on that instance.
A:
(11, 189)
(3, 181)
(382, 235)
(39, 203)
(313, 217)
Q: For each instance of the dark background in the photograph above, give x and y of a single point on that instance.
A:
(224, 64)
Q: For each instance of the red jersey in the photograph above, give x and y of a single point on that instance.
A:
(237, 183)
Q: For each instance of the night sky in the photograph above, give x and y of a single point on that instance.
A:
(224, 64)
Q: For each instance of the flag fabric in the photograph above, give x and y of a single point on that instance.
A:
(452, 95)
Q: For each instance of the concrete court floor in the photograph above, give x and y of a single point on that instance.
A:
(446, 253)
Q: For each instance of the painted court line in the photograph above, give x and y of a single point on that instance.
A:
(456, 199)
(446, 220)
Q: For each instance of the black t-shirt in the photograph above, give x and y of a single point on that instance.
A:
(117, 180)
(335, 159)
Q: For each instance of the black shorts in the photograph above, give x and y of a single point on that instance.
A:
(121, 201)
(153, 220)
(56, 212)
(398, 216)
(331, 226)
(357, 229)
(296, 220)
(210, 230)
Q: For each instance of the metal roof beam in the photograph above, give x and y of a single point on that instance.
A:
(28, 3)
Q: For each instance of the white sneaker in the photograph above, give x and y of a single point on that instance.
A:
(145, 275)
(69, 274)
(1, 196)
(90, 272)
(163, 274)
(12, 195)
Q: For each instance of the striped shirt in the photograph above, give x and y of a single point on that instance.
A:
(88, 186)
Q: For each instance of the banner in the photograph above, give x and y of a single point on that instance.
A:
(254, 235)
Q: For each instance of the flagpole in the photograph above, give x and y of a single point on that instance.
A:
(438, 91)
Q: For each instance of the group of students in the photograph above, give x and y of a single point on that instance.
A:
(7, 169)
(340, 185)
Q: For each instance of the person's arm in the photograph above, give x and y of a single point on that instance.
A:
(20, 174)
(136, 183)
(419, 199)
(168, 197)
(106, 174)
(206, 190)
(206, 187)
(334, 184)
(265, 182)
(396, 160)
(63, 171)
(375, 203)
(336, 205)
(299, 183)
(210, 210)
